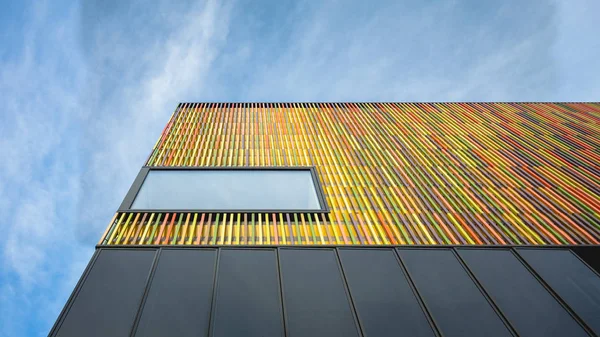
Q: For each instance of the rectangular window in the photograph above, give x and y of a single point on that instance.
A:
(226, 189)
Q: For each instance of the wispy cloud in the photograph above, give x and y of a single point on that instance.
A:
(576, 50)
(413, 51)
(125, 117)
(84, 103)
(87, 88)
(39, 80)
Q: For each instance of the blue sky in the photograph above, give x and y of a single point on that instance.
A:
(86, 88)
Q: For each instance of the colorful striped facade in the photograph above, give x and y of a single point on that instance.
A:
(435, 220)
(392, 173)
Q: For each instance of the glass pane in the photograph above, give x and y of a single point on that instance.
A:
(248, 296)
(530, 309)
(315, 300)
(384, 301)
(178, 303)
(456, 304)
(110, 297)
(573, 281)
(228, 190)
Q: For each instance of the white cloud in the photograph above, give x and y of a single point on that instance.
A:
(61, 127)
(39, 81)
(36, 145)
(402, 51)
(90, 88)
(132, 114)
(577, 50)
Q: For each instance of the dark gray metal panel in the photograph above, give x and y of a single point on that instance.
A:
(180, 296)
(133, 190)
(110, 297)
(572, 280)
(590, 255)
(384, 300)
(314, 294)
(454, 301)
(523, 300)
(248, 299)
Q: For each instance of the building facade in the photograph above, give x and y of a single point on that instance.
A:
(355, 219)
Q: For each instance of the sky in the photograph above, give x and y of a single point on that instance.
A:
(87, 87)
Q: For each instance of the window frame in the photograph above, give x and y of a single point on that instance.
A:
(141, 177)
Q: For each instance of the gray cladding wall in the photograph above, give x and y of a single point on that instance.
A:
(339, 291)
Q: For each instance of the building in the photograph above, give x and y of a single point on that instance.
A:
(355, 219)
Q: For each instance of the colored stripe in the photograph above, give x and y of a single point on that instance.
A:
(392, 173)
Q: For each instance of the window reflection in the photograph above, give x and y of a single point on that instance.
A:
(228, 190)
